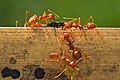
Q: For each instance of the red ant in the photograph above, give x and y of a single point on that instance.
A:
(76, 51)
(89, 25)
(32, 21)
(71, 64)
(76, 54)
(47, 17)
(67, 37)
(70, 24)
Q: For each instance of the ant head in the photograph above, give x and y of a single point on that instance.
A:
(66, 35)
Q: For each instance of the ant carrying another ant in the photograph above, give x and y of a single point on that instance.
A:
(70, 59)
(32, 21)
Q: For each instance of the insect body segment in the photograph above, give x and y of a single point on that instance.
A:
(56, 24)
(89, 25)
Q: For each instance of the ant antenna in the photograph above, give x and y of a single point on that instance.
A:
(53, 13)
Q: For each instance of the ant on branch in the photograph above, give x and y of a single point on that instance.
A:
(71, 59)
(33, 19)
(89, 25)
(70, 24)
(70, 64)
(47, 17)
(74, 23)
(76, 51)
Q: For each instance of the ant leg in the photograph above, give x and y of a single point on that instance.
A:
(86, 56)
(58, 41)
(99, 34)
(46, 29)
(26, 19)
(18, 23)
(61, 73)
(82, 35)
(85, 35)
(73, 19)
(26, 24)
(78, 60)
(85, 53)
(72, 35)
(26, 16)
(47, 21)
(78, 21)
(28, 13)
(29, 30)
(89, 20)
(67, 18)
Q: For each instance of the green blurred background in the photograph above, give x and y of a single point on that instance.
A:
(105, 12)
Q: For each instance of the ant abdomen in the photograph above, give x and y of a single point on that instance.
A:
(56, 24)
(77, 53)
(90, 25)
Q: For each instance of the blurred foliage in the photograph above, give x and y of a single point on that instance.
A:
(105, 12)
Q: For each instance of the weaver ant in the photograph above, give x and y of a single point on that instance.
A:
(76, 51)
(32, 21)
(91, 25)
(47, 17)
(70, 64)
(70, 24)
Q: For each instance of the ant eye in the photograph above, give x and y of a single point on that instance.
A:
(39, 73)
